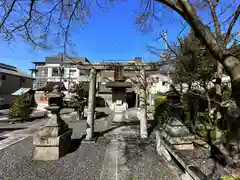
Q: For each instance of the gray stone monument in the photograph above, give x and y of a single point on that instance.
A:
(53, 140)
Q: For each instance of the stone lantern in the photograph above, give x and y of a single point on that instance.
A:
(173, 97)
(53, 140)
(175, 131)
(173, 101)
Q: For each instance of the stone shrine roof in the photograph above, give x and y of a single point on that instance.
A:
(119, 85)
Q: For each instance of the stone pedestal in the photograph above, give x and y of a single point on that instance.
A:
(119, 111)
(52, 148)
(118, 117)
(178, 135)
(54, 139)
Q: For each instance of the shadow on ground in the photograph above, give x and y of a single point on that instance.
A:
(151, 126)
(75, 143)
(11, 129)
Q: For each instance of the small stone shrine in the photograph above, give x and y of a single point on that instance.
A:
(175, 132)
(53, 140)
(119, 87)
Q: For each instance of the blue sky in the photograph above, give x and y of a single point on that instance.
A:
(109, 35)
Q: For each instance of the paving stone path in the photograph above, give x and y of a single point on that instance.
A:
(118, 154)
(128, 157)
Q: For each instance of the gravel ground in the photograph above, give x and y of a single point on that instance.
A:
(84, 164)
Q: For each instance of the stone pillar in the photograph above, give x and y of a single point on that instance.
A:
(49, 72)
(54, 139)
(91, 105)
(150, 100)
(136, 102)
(143, 106)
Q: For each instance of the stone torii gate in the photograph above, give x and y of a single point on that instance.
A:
(139, 68)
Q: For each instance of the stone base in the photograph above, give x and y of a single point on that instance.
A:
(183, 146)
(178, 140)
(86, 141)
(52, 148)
(180, 143)
(118, 117)
(144, 136)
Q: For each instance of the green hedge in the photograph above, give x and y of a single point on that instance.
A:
(229, 178)
(160, 100)
(20, 108)
(160, 114)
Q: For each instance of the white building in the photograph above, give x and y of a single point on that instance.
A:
(226, 80)
(57, 69)
(161, 83)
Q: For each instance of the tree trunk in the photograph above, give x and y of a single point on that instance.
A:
(218, 97)
(232, 66)
(209, 102)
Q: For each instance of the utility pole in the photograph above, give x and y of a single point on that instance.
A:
(69, 76)
(61, 69)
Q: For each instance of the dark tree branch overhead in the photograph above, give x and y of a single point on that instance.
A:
(173, 5)
(201, 30)
(187, 11)
(7, 14)
(60, 14)
(234, 20)
(215, 19)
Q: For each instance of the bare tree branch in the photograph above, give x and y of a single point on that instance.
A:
(215, 19)
(173, 6)
(7, 14)
(234, 20)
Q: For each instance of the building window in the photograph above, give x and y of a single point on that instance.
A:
(56, 71)
(23, 80)
(42, 72)
(164, 83)
(72, 70)
(4, 77)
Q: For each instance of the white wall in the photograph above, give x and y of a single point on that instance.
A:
(161, 85)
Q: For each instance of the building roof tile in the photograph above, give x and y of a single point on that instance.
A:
(7, 69)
